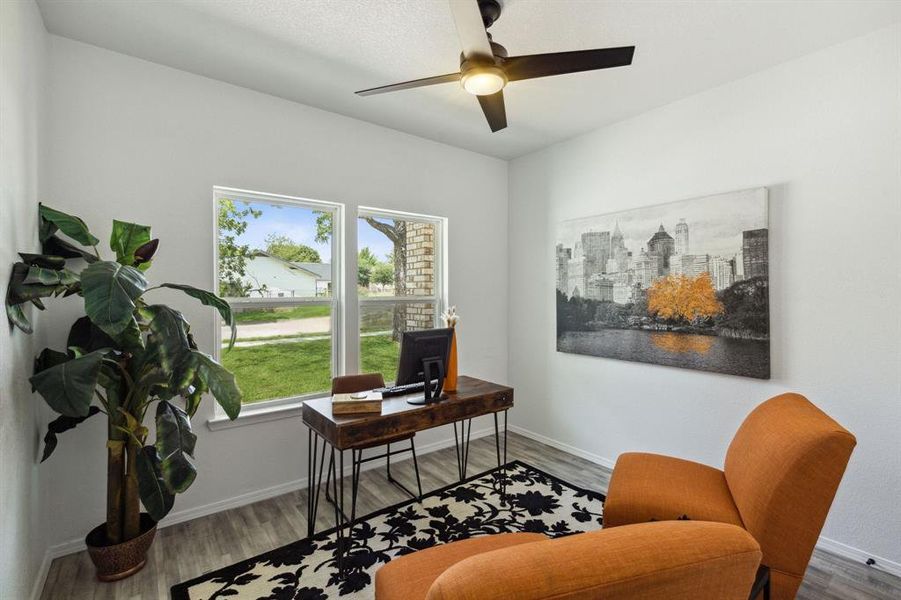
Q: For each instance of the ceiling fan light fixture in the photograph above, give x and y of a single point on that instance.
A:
(484, 81)
(486, 67)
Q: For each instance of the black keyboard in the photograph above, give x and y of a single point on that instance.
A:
(400, 390)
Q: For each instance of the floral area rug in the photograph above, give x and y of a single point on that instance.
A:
(307, 569)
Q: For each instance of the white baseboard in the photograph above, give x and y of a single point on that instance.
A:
(858, 555)
(825, 544)
(188, 514)
(589, 456)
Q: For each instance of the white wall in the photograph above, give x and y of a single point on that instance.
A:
(23, 56)
(137, 141)
(823, 133)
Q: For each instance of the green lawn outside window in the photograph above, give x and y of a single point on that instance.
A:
(271, 371)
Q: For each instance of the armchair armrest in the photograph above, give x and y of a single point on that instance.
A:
(650, 561)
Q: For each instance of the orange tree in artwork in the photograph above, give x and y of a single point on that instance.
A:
(681, 298)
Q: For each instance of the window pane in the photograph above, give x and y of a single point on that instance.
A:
(273, 250)
(380, 327)
(280, 352)
(396, 257)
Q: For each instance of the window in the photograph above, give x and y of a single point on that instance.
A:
(400, 282)
(277, 266)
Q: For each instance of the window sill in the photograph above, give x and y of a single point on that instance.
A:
(252, 416)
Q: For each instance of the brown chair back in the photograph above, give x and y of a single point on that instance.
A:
(646, 561)
(348, 384)
(783, 468)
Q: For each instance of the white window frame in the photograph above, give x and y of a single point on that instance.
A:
(439, 289)
(273, 408)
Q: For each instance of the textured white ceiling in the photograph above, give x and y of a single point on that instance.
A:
(319, 52)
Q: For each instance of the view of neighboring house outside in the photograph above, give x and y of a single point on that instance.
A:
(273, 277)
(289, 343)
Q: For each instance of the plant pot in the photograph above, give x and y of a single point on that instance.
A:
(118, 561)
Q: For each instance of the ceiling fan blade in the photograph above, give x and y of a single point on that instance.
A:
(532, 66)
(406, 85)
(495, 112)
(471, 29)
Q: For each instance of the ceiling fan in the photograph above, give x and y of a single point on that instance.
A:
(485, 67)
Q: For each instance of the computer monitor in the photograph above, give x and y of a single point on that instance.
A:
(423, 357)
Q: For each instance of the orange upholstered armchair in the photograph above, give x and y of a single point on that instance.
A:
(648, 561)
(780, 476)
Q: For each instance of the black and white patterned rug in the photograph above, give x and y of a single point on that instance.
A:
(307, 569)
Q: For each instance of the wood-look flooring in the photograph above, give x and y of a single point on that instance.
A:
(189, 549)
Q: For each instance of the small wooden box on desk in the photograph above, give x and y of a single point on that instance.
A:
(348, 405)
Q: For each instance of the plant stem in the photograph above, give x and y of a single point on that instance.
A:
(132, 521)
(115, 473)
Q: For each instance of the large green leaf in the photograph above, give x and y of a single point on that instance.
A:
(175, 446)
(87, 336)
(69, 387)
(126, 238)
(16, 315)
(47, 261)
(59, 247)
(46, 229)
(27, 293)
(194, 396)
(209, 299)
(71, 225)
(46, 276)
(168, 344)
(221, 383)
(49, 358)
(61, 425)
(110, 290)
(19, 291)
(151, 488)
(129, 339)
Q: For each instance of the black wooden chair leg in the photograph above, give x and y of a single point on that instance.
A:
(416, 468)
(404, 488)
(356, 462)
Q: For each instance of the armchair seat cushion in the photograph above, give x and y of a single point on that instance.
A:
(651, 487)
(410, 577)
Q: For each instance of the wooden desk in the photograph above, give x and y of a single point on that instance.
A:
(473, 398)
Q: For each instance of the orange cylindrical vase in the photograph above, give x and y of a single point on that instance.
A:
(450, 378)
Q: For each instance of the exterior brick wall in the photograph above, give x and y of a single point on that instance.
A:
(420, 273)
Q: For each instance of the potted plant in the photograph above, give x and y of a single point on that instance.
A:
(125, 357)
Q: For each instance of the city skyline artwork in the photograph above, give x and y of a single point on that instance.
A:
(682, 284)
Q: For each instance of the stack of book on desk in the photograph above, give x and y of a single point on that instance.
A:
(348, 404)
